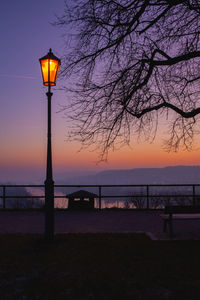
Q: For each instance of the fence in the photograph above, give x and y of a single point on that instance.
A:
(154, 196)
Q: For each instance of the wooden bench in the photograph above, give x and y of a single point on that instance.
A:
(178, 213)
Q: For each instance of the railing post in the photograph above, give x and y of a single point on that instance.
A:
(193, 195)
(4, 197)
(147, 197)
(99, 197)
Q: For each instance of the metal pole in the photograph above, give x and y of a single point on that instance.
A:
(193, 195)
(4, 197)
(99, 197)
(49, 183)
(147, 197)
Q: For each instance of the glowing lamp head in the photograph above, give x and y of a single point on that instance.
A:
(49, 65)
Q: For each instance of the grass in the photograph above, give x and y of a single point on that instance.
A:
(98, 266)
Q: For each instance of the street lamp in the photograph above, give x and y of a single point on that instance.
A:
(49, 65)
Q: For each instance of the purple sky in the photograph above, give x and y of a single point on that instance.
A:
(26, 35)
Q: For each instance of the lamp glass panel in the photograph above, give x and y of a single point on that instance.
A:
(44, 66)
(53, 65)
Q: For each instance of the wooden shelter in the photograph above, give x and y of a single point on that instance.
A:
(81, 200)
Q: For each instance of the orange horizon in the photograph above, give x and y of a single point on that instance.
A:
(138, 157)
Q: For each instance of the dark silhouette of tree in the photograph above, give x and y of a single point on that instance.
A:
(132, 62)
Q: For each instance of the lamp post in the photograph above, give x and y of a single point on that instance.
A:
(49, 65)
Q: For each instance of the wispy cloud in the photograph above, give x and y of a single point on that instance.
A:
(17, 76)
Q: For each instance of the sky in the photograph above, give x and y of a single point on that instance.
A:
(26, 35)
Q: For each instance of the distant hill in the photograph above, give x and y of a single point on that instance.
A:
(166, 175)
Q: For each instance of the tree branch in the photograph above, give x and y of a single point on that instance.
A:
(179, 111)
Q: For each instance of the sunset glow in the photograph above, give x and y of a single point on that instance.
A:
(23, 104)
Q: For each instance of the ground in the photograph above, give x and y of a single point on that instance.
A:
(98, 266)
(98, 255)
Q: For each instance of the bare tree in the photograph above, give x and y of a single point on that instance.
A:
(131, 63)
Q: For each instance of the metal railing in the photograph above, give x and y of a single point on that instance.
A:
(143, 194)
